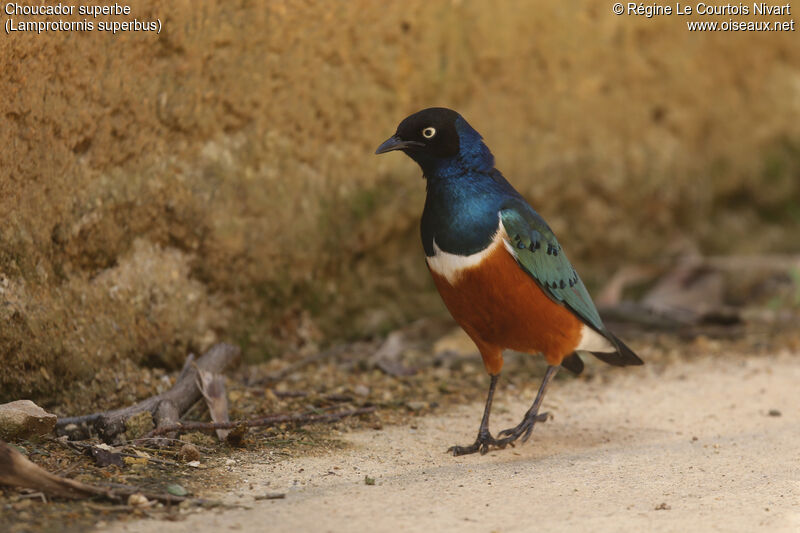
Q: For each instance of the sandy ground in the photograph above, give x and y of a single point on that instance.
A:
(689, 448)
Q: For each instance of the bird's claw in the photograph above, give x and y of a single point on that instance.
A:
(524, 429)
(482, 444)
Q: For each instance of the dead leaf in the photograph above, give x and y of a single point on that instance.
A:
(176, 490)
(387, 357)
(212, 386)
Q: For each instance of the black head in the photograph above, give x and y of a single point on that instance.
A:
(430, 133)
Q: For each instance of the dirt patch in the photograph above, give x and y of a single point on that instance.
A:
(709, 443)
(447, 388)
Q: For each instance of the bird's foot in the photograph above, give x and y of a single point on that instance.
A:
(481, 444)
(524, 429)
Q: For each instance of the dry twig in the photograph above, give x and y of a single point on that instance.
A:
(267, 421)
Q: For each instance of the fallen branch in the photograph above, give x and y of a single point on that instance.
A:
(110, 424)
(669, 319)
(267, 421)
(779, 263)
(637, 313)
(17, 471)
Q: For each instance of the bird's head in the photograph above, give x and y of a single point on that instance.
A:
(440, 141)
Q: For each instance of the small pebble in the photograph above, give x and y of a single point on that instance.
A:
(415, 405)
(774, 412)
(271, 496)
(23, 419)
(137, 500)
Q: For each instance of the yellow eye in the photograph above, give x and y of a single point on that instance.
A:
(429, 132)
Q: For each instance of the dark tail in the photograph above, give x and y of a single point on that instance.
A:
(573, 363)
(624, 356)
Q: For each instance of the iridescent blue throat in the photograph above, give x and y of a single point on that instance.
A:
(465, 194)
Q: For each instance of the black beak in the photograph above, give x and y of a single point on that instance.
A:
(395, 143)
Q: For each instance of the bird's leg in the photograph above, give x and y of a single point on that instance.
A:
(525, 427)
(485, 438)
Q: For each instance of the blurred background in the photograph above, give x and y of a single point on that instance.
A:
(217, 181)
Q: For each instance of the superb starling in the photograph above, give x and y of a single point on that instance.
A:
(497, 264)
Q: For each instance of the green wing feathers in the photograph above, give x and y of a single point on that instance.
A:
(540, 255)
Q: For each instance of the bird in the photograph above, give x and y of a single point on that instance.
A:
(498, 266)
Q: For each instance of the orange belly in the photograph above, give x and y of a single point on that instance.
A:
(501, 307)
